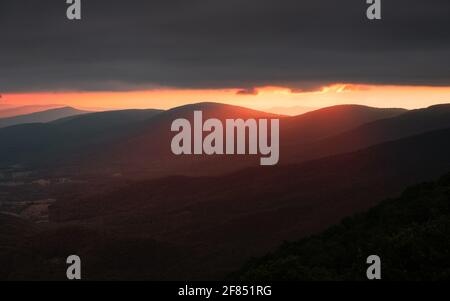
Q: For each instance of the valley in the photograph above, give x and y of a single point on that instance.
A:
(202, 218)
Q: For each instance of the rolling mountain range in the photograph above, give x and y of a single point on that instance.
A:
(126, 145)
(41, 117)
(57, 143)
(203, 217)
(386, 129)
(12, 111)
(123, 142)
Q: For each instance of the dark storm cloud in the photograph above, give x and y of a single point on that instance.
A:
(133, 44)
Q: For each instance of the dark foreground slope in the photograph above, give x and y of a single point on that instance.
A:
(230, 218)
(206, 227)
(411, 234)
(36, 252)
(14, 232)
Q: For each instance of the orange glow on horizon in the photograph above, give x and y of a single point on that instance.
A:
(266, 98)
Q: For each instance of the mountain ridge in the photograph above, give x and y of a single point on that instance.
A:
(41, 117)
(12, 110)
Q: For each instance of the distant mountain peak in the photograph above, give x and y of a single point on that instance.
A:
(439, 106)
(41, 117)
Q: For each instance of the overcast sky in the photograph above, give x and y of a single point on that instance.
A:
(140, 44)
